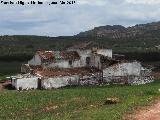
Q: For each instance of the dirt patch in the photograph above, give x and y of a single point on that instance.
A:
(76, 99)
(156, 75)
(1, 87)
(3, 84)
(84, 107)
(90, 106)
(6, 85)
(149, 113)
(50, 107)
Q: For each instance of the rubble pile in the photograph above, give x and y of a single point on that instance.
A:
(142, 80)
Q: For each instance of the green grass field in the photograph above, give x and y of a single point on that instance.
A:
(75, 103)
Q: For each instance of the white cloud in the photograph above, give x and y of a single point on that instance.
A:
(92, 2)
(150, 2)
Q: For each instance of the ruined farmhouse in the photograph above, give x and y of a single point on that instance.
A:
(73, 67)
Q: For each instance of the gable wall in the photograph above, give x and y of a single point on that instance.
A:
(123, 69)
(36, 60)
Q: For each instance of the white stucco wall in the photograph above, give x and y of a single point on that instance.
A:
(26, 83)
(64, 64)
(105, 52)
(83, 55)
(83, 60)
(95, 61)
(59, 64)
(57, 82)
(36, 60)
(76, 63)
(25, 69)
(13, 81)
(123, 69)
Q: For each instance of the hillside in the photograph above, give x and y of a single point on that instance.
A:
(140, 42)
(118, 31)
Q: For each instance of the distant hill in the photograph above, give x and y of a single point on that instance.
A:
(139, 40)
(118, 31)
(23, 45)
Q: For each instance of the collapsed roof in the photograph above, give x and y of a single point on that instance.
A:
(68, 72)
(58, 55)
(107, 61)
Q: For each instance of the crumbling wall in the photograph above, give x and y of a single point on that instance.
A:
(25, 68)
(36, 60)
(96, 61)
(131, 80)
(92, 79)
(123, 69)
(127, 73)
(76, 64)
(61, 81)
(83, 56)
(59, 64)
(13, 82)
(26, 83)
(138, 80)
(105, 52)
(65, 64)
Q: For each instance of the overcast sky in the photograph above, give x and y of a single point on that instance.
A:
(66, 20)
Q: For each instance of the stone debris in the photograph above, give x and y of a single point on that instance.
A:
(1, 87)
(113, 100)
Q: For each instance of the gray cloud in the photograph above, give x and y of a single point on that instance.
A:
(22, 25)
(71, 19)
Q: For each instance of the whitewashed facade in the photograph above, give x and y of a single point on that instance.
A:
(25, 83)
(127, 72)
(64, 64)
(87, 58)
(124, 69)
(58, 82)
(43, 82)
(36, 60)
